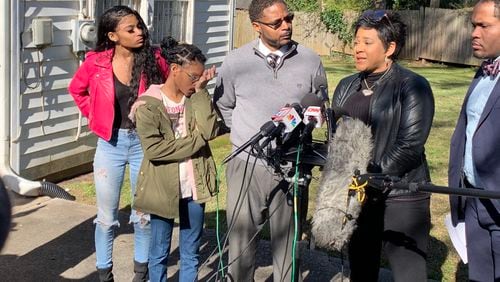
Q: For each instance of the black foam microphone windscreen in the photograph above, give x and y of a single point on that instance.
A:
(337, 210)
(5, 214)
(320, 83)
(310, 100)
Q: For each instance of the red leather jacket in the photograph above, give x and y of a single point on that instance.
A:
(93, 90)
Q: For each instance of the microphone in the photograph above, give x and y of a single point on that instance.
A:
(320, 83)
(311, 99)
(338, 208)
(289, 116)
(287, 119)
(275, 133)
(313, 118)
(265, 130)
(313, 114)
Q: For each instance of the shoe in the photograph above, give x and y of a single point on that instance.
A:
(106, 274)
(141, 272)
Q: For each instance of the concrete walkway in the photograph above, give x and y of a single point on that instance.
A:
(52, 240)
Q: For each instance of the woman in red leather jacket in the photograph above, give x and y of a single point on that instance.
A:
(398, 105)
(104, 88)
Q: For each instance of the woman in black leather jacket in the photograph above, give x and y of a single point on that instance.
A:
(399, 106)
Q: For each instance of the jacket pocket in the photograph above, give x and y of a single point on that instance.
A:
(147, 195)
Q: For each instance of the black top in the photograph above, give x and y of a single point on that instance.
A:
(358, 105)
(122, 95)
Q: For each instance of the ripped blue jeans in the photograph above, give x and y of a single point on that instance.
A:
(111, 158)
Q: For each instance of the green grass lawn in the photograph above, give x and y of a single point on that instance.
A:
(449, 85)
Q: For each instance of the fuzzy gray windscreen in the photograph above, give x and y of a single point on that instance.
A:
(350, 149)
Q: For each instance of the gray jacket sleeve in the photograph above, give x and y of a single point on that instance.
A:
(224, 95)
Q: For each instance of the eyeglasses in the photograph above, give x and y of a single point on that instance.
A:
(377, 16)
(193, 78)
(277, 24)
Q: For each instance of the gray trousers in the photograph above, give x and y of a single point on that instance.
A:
(266, 196)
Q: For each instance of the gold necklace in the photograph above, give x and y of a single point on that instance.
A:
(368, 91)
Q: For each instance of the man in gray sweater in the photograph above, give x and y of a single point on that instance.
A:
(254, 82)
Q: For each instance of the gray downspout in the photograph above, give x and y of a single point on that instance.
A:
(11, 180)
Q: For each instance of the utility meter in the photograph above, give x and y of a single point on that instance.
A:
(83, 35)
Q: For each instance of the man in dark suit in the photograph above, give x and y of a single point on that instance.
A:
(475, 149)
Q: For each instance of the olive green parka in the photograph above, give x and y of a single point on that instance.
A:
(158, 186)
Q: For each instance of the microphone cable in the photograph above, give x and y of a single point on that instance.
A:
(215, 275)
(295, 211)
(219, 248)
(217, 222)
(237, 209)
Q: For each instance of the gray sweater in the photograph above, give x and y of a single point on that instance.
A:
(249, 91)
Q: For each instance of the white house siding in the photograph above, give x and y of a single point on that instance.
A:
(44, 118)
(212, 22)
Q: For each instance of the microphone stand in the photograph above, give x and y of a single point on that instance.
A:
(330, 122)
(385, 183)
(300, 180)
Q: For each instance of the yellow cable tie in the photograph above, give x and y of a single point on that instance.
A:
(359, 189)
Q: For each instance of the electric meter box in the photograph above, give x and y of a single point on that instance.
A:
(42, 31)
(83, 35)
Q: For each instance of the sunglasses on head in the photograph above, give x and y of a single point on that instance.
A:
(276, 24)
(377, 16)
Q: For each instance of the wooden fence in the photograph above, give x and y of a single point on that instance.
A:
(433, 34)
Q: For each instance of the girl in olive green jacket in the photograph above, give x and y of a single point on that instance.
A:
(175, 121)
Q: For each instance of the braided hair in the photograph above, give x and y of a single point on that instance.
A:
(180, 53)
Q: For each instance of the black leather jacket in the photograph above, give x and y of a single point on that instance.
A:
(401, 113)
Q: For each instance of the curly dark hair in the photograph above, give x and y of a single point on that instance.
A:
(389, 27)
(257, 7)
(145, 63)
(180, 53)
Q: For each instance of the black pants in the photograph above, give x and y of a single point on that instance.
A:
(401, 227)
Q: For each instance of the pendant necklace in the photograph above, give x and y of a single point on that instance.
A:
(368, 91)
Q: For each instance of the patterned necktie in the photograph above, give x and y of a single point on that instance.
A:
(490, 67)
(272, 60)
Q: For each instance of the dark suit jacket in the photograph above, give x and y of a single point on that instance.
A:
(485, 150)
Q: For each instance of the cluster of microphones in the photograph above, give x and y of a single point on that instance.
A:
(293, 123)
